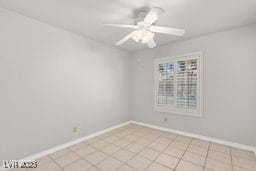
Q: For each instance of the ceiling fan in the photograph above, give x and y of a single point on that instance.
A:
(145, 29)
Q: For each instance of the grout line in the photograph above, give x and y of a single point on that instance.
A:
(121, 148)
(165, 153)
(101, 139)
(111, 155)
(183, 154)
(206, 156)
(159, 154)
(98, 149)
(232, 167)
(147, 146)
(56, 162)
(142, 148)
(139, 150)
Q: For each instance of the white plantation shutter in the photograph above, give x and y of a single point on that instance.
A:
(178, 84)
(166, 84)
(187, 84)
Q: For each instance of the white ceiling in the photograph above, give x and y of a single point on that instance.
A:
(86, 17)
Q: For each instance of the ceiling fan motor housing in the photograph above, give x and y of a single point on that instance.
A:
(140, 14)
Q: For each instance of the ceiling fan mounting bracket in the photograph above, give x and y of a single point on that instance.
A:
(140, 14)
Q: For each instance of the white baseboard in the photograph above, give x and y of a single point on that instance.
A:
(215, 140)
(60, 147)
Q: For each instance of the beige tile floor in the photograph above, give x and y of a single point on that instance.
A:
(134, 147)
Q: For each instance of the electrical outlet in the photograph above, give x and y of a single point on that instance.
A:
(75, 129)
(165, 119)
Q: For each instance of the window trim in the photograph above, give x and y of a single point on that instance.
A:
(199, 111)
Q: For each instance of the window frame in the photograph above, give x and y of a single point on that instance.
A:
(174, 110)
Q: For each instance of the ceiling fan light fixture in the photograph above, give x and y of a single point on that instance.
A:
(143, 36)
(148, 36)
(137, 36)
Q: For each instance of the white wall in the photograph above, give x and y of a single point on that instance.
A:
(229, 86)
(52, 80)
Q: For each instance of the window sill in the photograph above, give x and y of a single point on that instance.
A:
(179, 112)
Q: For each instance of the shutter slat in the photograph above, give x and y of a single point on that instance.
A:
(166, 84)
(187, 84)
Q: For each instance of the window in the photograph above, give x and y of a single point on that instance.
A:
(178, 84)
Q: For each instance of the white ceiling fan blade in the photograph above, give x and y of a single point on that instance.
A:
(151, 43)
(153, 15)
(166, 30)
(123, 26)
(125, 38)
